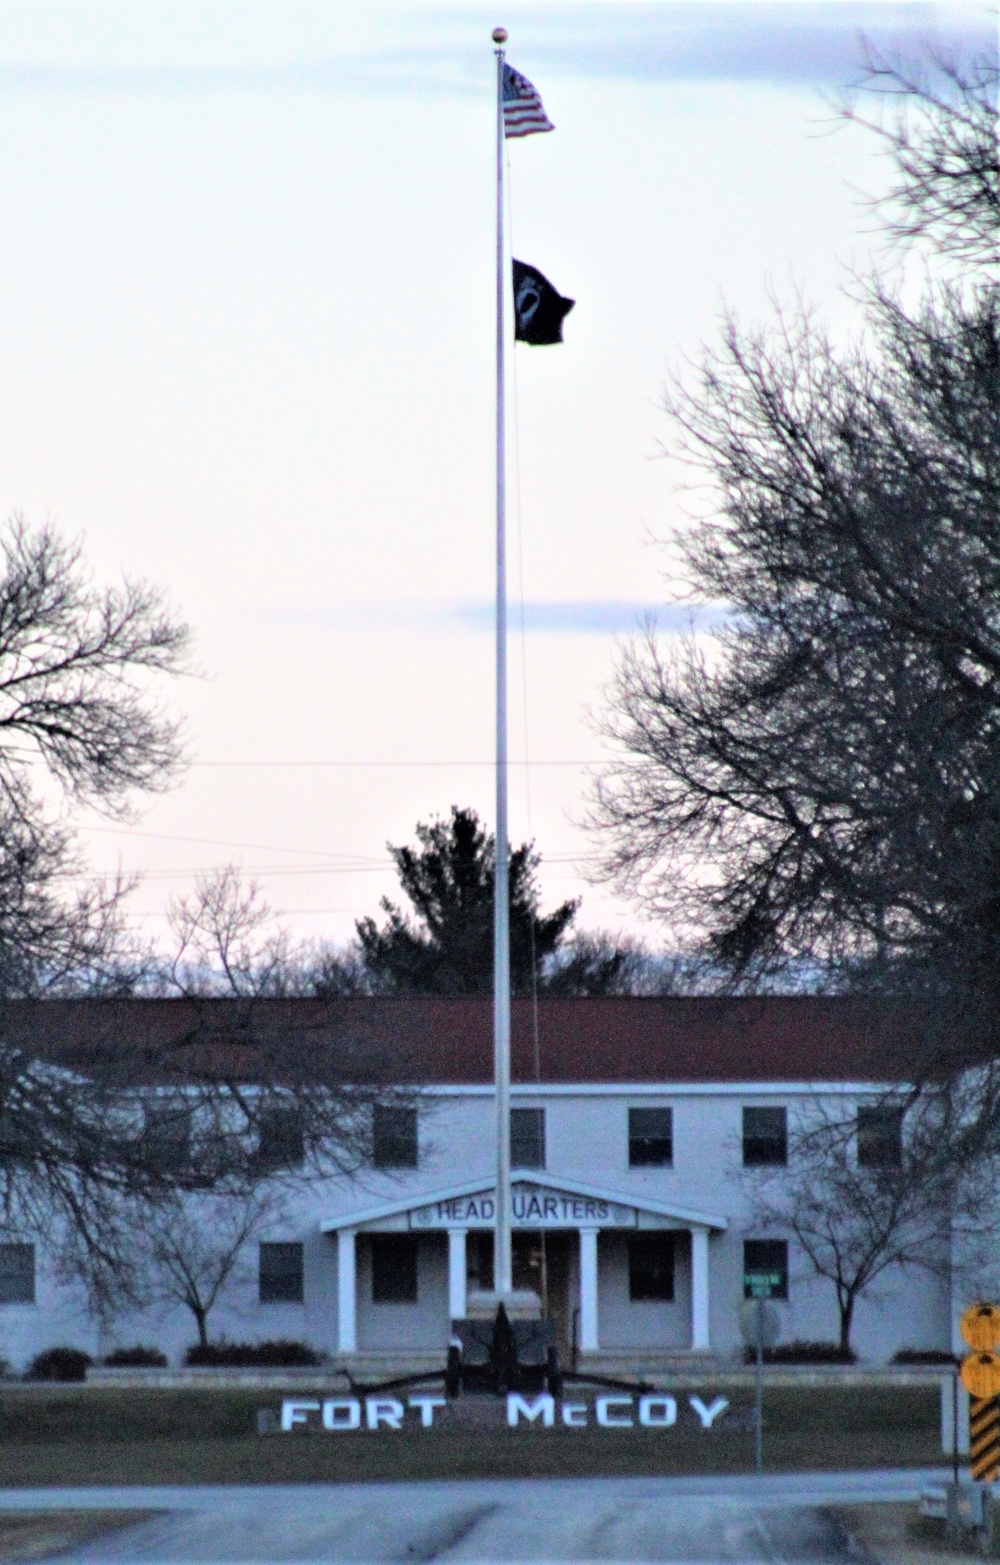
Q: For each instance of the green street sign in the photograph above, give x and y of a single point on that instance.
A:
(761, 1285)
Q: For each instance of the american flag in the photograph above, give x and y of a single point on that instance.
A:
(523, 114)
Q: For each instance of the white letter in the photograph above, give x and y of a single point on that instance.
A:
(293, 1413)
(543, 1406)
(348, 1406)
(575, 1414)
(657, 1412)
(604, 1417)
(708, 1415)
(384, 1410)
(427, 1406)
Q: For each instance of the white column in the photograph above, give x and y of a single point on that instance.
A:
(456, 1273)
(589, 1341)
(347, 1291)
(699, 1288)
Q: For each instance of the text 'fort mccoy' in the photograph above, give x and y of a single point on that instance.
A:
(656, 1411)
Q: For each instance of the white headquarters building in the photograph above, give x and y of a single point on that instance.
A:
(638, 1130)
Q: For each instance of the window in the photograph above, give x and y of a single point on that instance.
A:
(16, 1139)
(166, 1137)
(479, 1259)
(765, 1136)
(17, 1274)
(281, 1274)
(770, 1258)
(650, 1138)
(880, 1137)
(281, 1137)
(651, 1267)
(394, 1269)
(394, 1137)
(527, 1138)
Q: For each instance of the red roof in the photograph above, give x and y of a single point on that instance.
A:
(431, 1040)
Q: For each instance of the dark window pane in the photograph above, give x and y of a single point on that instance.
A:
(651, 1266)
(479, 1259)
(880, 1137)
(650, 1138)
(17, 1274)
(166, 1137)
(527, 1138)
(770, 1258)
(281, 1138)
(394, 1269)
(16, 1138)
(765, 1136)
(281, 1274)
(394, 1137)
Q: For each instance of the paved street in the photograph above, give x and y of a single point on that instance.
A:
(772, 1519)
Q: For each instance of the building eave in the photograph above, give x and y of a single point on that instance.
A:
(686, 1217)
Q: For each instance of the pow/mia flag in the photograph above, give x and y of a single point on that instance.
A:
(538, 308)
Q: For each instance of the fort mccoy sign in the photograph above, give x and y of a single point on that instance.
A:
(339, 1415)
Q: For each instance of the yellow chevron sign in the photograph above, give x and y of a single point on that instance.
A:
(984, 1439)
(980, 1372)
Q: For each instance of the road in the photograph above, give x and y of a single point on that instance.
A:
(780, 1520)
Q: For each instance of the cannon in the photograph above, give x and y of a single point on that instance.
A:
(503, 1345)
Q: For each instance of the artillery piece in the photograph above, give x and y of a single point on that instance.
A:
(503, 1344)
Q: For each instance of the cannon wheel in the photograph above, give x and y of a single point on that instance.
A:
(453, 1373)
(553, 1372)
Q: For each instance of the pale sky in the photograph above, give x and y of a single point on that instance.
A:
(246, 330)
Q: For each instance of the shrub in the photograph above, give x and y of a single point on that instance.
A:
(59, 1364)
(249, 1355)
(804, 1353)
(136, 1358)
(923, 1356)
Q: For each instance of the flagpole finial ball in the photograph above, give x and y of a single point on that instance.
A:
(499, 35)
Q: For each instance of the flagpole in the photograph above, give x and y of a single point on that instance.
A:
(502, 1269)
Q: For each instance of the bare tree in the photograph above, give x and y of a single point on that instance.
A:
(600, 962)
(816, 787)
(263, 1055)
(197, 1247)
(79, 716)
(859, 1198)
(80, 723)
(74, 667)
(938, 121)
(333, 972)
(228, 943)
(71, 1171)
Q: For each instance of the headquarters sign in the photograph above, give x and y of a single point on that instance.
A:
(531, 1206)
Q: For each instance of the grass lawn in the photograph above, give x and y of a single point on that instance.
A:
(77, 1435)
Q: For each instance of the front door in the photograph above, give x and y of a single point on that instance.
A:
(541, 1262)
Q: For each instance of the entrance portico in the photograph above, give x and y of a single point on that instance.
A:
(541, 1205)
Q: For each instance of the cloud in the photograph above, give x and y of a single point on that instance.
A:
(725, 41)
(778, 43)
(579, 616)
(585, 616)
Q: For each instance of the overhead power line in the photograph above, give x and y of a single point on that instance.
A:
(594, 761)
